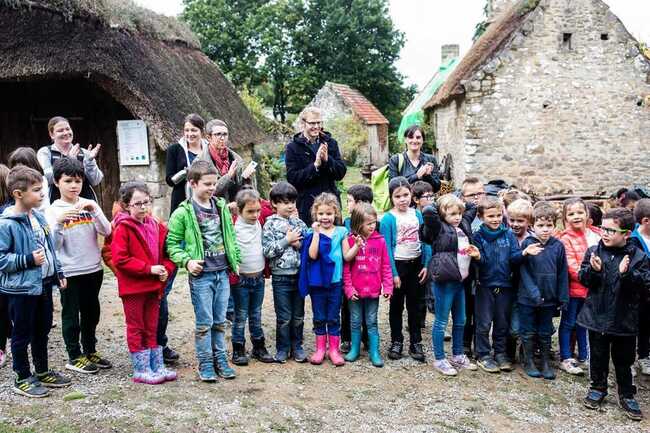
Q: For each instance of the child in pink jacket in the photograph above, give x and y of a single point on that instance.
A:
(366, 274)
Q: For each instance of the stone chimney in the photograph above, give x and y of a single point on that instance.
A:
(496, 7)
(449, 51)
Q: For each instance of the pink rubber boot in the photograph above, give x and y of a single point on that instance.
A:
(321, 348)
(333, 353)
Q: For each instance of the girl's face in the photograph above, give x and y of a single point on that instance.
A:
(414, 144)
(61, 135)
(454, 216)
(576, 216)
(139, 205)
(369, 226)
(325, 215)
(219, 137)
(191, 133)
(401, 198)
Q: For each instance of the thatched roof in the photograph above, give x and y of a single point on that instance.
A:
(159, 77)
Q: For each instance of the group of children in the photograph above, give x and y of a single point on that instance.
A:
(498, 265)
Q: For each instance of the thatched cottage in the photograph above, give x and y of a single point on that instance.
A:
(100, 61)
(552, 97)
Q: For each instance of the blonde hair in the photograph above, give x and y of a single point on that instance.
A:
(487, 203)
(509, 196)
(326, 199)
(521, 208)
(310, 110)
(448, 202)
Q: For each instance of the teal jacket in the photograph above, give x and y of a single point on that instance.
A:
(388, 228)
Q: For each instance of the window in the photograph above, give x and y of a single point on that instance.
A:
(566, 40)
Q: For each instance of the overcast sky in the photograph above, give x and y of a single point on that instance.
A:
(428, 25)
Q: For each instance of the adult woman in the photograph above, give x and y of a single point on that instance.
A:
(180, 156)
(62, 147)
(414, 164)
(232, 171)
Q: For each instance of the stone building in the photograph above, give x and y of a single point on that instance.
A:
(552, 98)
(358, 126)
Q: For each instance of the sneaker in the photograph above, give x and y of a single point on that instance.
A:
(170, 355)
(52, 379)
(298, 354)
(503, 363)
(644, 366)
(30, 387)
(3, 358)
(82, 365)
(281, 356)
(631, 408)
(443, 367)
(488, 364)
(100, 362)
(417, 352)
(345, 346)
(395, 351)
(462, 362)
(594, 399)
(569, 365)
(208, 376)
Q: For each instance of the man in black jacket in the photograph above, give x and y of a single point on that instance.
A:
(313, 162)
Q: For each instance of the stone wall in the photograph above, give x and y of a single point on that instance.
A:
(559, 110)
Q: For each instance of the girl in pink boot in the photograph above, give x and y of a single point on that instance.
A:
(321, 276)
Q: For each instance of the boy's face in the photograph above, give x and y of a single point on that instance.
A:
(613, 235)
(473, 192)
(70, 187)
(425, 200)
(544, 229)
(351, 203)
(32, 198)
(285, 208)
(644, 225)
(518, 224)
(251, 211)
(492, 218)
(205, 187)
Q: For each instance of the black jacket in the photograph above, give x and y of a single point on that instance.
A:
(612, 304)
(302, 174)
(544, 278)
(443, 239)
(410, 172)
(176, 161)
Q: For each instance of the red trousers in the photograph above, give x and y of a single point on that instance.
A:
(141, 316)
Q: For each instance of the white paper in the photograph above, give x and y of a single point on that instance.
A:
(133, 142)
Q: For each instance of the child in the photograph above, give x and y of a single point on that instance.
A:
(494, 295)
(577, 238)
(357, 194)
(400, 228)
(76, 222)
(595, 215)
(448, 230)
(423, 197)
(543, 288)
(281, 242)
(29, 269)
(367, 273)
(617, 276)
(27, 156)
(248, 294)
(5, 324)
(201, 239)
(142, 269)
(641, 238)
(321, 274)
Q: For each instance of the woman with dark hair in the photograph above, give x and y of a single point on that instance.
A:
(180, 156)
(27, 156)
(414, 164)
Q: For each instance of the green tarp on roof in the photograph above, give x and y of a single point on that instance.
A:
(413, 115)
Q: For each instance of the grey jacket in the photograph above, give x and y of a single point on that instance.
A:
(283, 258)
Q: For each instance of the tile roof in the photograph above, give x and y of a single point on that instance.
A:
(359, 104)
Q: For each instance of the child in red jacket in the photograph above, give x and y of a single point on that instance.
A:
(141, 267)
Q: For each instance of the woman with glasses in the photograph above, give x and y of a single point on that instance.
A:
(414, 164)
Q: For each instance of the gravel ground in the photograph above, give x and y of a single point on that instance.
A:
(404, 396)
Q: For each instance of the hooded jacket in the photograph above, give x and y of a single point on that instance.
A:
(544, 279)
(499, 254)
(576, 245)
(133, 258)
(303, 175)
(370, 273)
(612, 305)
(177, 162)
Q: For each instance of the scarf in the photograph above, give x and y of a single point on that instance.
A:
(490, 234)
(221, 159)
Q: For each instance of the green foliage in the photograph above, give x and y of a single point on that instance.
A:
(482, 26)
(270, 170)
(255, 105)
(351, 135)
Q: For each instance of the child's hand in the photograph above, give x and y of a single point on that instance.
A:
(232, 207)
(316, 227)
(533, 250)
(624, 265)
(158, 270)
(68, 215)
(294, 235)
(87, 206)
(63, 283)
(397, 282)
(39, 256)
(354, 297)
(163, 277)
(596, 263)
(422, 275)
(474, 252)
(195, 267)
(359, 241)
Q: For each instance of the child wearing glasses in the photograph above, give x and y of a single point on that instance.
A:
(76, 222)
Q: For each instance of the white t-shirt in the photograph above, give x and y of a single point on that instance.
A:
(408, 236)
(464, 259)
(249, 238)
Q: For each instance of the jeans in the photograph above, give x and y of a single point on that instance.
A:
(5, 322)
(412, 292)
(567, 326)
(621, 349)
(364, 311)
(326, 306)
(289, 312)
(32, 319)
(249, 296)
(346, 326)
(209, 292)
(163, 317)
(536, 322)
(449, 297)
(80, 313)
(141, 318)
(492, 310)
(470, 323)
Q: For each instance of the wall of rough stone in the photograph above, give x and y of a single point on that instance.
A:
(555, 113)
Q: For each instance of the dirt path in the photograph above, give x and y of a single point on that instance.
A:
(402, 397)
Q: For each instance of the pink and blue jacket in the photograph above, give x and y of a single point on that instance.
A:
(370, 273)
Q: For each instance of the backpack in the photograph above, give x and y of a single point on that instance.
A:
(379, 185)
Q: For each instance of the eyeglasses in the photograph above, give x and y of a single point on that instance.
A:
(317, 123)
(475, 195)
(219, 134)
(612, 230)
(427, 196)
(141, 204)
